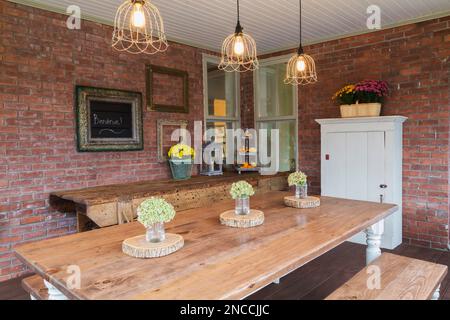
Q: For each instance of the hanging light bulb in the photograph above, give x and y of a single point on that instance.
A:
(138, 28)
(239, 46)
(301, 68)
(301, 65)
(239, 51)
(138, 17)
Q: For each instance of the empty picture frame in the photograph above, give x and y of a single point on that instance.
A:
(164, 133)
(108, 120)
(167, 89)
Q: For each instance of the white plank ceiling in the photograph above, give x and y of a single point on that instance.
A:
(273, 23)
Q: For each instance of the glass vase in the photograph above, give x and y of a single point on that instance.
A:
(242, 207)
(301, 192)
(156, 233)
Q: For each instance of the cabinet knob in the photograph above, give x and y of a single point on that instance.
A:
(383, 186)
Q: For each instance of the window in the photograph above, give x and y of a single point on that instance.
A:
(221, 98)
(276, 108)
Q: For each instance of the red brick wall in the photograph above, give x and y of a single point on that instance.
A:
(414, 59)
(41, 61)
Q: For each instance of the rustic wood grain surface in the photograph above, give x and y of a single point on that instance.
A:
(216, 262)
(401, 278)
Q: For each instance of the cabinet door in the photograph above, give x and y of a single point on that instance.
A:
(333, 165)
(354, 165)
(376, 174)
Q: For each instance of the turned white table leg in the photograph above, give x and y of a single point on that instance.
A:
(437, 293)
(374, 235)
(277, 281)
(53, 293)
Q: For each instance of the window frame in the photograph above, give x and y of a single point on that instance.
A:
(236, 119)
(294, 117)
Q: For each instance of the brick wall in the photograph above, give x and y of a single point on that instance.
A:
(414, 59)
(41, 61)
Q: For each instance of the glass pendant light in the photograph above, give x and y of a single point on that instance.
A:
(301, 68)
(138, 28)
(239, 51)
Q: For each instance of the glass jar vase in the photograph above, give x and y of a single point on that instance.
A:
(301, 192)
(156, 233)
(242, 207)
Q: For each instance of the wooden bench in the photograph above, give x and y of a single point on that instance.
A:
(35, 286)
(393, 277)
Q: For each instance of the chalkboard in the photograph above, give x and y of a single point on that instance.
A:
(108, 120)
(111, 119)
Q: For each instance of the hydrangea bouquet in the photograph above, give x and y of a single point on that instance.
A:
(297, 179)
(153, 213)
(241, 189)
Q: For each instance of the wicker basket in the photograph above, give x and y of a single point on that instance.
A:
(361, 110)
(181, 168)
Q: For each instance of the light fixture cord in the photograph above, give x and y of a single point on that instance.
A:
(300, 47)
(238, 13)
(238, 25)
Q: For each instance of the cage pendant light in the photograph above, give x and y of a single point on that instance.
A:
(138, 28)
(301, 68)
(239, 51)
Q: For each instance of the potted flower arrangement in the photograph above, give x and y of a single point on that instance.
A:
(180, 159)
(299, 180)
(241, 191)
(153, 213)
(363, 99)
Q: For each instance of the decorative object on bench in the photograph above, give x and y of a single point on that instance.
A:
(242, 216)
(167, 89)
(393, 277)
(181, 159)
(301, 199)
(108, 120)
(213, 164)
(165, 128)
(153, 213)
(363, 99)
(249, 153)
(139, 28)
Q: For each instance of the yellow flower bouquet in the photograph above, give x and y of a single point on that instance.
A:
(346, 95)
(180, 159)
(181, 151)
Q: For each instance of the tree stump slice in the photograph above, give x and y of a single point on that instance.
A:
(309, 202)
(231, 219)
(138, 247)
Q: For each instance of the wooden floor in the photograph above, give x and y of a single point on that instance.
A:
(314, 281)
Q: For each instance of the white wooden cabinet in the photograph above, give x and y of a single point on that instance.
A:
(361, 159)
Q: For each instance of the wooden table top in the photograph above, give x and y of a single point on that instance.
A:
(141, 189)
(217, 262)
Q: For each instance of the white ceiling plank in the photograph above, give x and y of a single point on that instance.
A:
(273, 23)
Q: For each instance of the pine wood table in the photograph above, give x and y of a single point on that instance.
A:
(216, 262)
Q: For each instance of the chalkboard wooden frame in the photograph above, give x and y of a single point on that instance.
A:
(150, 83)
(86, 141)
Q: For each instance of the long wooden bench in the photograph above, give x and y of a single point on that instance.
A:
(393, 277)
(35, 286)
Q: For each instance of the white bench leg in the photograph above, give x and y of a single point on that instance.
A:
(374, 235)
(53, 293)
(437, 293)
(32, 297)
(277, 281)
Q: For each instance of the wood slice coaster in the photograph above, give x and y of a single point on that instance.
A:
(231, 219)
(138, 247)
(309, 202)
